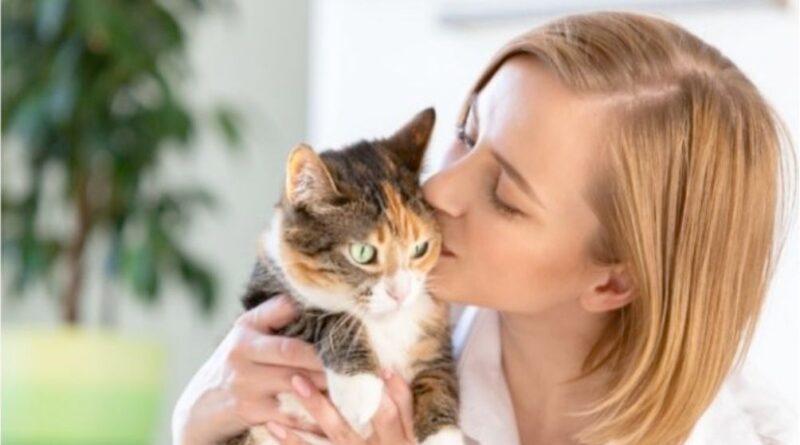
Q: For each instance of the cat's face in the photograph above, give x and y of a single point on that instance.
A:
(356, 233)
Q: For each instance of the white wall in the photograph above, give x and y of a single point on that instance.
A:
(375, 63)
(254, 57)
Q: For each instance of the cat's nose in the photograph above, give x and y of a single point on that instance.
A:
(397, 292)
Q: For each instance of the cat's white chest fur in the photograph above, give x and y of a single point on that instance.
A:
(393, 336)
(357, 396)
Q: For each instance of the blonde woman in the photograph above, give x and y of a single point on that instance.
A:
(611, 206)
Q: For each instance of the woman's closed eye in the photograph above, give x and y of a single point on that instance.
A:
(469, 143)
(499, 205)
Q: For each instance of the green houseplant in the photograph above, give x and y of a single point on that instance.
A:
(90, 90)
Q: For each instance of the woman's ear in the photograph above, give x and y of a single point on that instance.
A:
(612, 290)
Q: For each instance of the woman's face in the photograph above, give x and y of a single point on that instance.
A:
(510, 198)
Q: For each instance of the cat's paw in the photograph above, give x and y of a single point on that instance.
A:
(448, 435)
(355, 396)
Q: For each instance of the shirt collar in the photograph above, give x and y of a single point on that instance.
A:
(486, 411)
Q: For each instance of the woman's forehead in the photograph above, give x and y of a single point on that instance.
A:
(546, 130)
(522, 83)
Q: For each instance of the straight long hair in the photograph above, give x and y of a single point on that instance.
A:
(692, 195)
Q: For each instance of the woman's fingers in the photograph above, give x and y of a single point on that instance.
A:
(255, 388)
(238, 386)
(327, 416)
(256, 342)
(387, 426)
(318, 379)
(255, 411)
(256, 380)
(270, 315)
(279, 350)
(285, 436)
(400, 393)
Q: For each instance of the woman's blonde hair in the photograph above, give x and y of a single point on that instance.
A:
(688, 199)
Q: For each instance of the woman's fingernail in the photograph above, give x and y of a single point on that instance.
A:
(387, 373)
(301, 386)
(276, 429)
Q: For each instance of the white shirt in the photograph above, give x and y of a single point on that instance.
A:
(741, 414)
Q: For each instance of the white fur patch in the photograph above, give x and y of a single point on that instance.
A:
(393, 335)
(446, 436)
(357, 398)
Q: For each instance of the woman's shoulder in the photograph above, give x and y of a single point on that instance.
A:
(746, 412)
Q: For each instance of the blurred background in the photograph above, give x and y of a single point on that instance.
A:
(143, 148)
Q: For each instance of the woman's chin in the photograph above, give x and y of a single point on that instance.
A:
(446, 294)
(446, 282)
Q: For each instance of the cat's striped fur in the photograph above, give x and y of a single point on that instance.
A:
(367, 192)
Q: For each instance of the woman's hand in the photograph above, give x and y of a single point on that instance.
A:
(235, 389)
(392, 423)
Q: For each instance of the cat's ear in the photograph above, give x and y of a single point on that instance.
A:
(308, 180)
(411, 141)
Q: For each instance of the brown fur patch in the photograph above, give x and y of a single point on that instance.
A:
(408, 228)
(435, 385)
(366, 192)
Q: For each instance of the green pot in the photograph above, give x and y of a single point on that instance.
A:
(79, 386)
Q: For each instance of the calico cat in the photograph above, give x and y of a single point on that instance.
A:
(351, 242)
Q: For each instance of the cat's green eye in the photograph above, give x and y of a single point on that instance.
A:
(362, 253)
(420, 249)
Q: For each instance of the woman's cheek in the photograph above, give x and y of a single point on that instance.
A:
(496, 256)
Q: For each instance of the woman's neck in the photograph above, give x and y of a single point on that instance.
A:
(539, 352)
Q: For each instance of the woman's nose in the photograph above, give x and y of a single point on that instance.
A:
(443, 192)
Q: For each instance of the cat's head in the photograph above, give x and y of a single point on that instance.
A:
(354, 232)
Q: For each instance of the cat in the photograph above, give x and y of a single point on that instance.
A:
(351, 242)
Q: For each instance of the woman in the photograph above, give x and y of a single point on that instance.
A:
(609, 209)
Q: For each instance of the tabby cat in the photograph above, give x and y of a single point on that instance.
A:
(351, 243)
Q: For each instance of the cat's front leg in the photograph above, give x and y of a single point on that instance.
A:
(435, 391)
(356, 396)
(352, 371)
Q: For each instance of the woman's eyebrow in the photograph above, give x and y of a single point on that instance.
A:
(517, 178)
